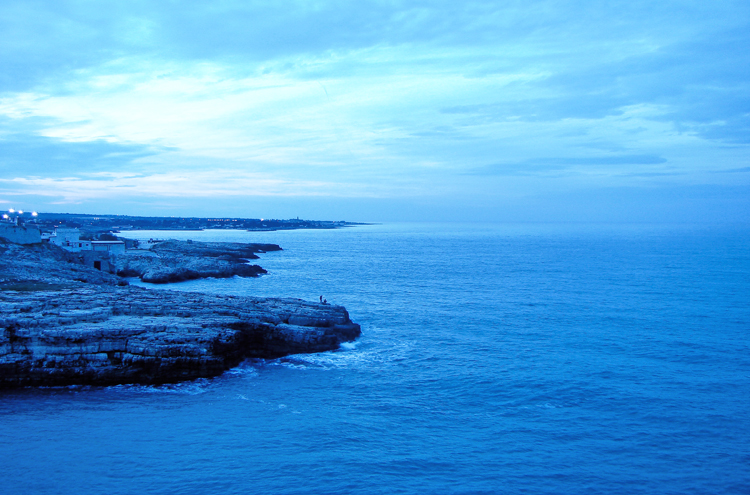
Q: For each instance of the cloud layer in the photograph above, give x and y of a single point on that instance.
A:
(475, 105)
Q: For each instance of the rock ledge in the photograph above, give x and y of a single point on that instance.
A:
(62, 323)
(176, 261)
(108, 335)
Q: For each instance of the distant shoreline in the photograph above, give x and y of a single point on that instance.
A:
(269, 229)
(98, 225)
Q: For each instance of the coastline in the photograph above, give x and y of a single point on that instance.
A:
(176, 261)
(64, 323)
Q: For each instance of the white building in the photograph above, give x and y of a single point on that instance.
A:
(20, 234)
(70, 240)
(111, 247)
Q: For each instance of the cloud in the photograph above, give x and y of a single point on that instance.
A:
(546, 165)
(733, 170)
(34, 155)
(205, 185)
(384, 98)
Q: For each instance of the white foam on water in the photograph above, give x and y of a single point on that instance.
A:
(195, 387)
(351, 357)
(245, 369)
(289, 362)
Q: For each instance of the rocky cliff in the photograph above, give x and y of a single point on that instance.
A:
(106, 335)
(62, 323)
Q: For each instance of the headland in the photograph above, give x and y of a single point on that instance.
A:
(176, 261)
(65, 322)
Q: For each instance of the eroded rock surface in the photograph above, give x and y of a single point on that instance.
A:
(176, 261)
(230, 251)
(62, 323)
(48, 264)
(107, 335)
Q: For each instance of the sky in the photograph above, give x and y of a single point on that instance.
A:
(533, 111)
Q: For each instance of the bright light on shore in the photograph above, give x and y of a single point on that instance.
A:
(11, 210)
(33, 213)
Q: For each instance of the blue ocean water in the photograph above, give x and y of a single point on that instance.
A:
(494, 359)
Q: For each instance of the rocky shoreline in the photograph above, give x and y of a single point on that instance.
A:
(177, 261)
(62, 323)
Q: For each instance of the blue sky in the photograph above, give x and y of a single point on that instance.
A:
(378, 111)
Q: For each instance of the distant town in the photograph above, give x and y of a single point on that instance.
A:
(94, 226)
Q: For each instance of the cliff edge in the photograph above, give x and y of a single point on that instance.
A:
(62, 323)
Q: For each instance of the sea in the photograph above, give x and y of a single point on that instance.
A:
(494, 359)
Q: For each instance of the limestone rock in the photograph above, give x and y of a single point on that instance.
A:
(237, 251)
(47, 264)
(63, 323)
(106, 335)
(175, 261)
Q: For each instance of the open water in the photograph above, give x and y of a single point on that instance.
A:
(494, 359)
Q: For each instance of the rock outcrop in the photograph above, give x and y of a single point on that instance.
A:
(62, 323)
(48, 264)
(107, 335)
(230, 251)
(176, 261)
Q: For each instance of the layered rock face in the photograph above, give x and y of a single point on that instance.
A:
(176, 261)
(106, 335)
(62, 323)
